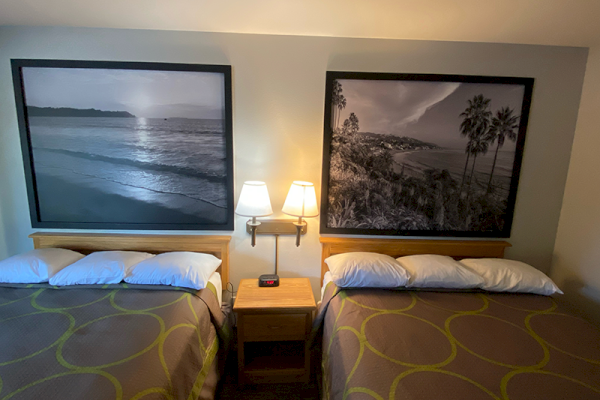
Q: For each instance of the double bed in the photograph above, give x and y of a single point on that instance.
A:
(115, 341)
(444, 344)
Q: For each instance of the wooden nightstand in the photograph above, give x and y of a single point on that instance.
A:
(273, 324)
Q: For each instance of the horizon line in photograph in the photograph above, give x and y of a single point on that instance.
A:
(143, 93)
(70, 112)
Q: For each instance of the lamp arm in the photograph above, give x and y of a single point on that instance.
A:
(253, 223)
(299, 225)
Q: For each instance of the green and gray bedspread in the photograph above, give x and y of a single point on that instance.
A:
(385, 344)
(109, 342)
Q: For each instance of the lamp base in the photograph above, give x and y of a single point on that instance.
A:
(269, 280)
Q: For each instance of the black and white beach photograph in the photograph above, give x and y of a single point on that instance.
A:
(422, 154)
(117, 146)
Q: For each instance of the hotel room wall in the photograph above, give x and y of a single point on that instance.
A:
(279, 89)
(576, 264)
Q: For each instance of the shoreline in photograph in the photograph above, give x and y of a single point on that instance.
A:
(415, 162)
(183, 157)
(99, 206)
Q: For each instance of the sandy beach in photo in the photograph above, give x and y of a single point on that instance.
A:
(139, 170)
(67, 202)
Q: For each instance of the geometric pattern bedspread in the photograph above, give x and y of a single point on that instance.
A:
(386, 344)
(115, 342)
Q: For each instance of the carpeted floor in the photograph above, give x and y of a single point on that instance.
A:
(281, 391)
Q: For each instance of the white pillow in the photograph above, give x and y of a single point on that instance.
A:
(366, 270)
(98, 268)
(36, 266)
(502, 275)
(435, 271)
(184, 269)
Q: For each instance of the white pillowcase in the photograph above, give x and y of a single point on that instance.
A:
(36, 266)
(361, 269)
(435, 271)
(98, 268)
(502, 275)
(183, 268)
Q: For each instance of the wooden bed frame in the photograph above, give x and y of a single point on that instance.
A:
(457, 249)
(90, 242)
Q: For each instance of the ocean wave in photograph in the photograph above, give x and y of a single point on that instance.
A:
(176, 163)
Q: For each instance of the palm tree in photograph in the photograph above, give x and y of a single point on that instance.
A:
(476, 120)
(504, 125)
(335, 99)
(478, 145)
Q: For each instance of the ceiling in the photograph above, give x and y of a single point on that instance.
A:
(548, 22)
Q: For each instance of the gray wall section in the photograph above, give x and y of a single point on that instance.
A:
(279, 89)
(576, 263)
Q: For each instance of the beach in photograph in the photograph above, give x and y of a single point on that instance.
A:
(415, 162)
(130, 170)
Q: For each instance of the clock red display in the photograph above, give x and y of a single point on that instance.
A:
(268, 280)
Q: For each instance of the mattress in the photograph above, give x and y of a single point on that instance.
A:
(328, 277)
(110, 342)
(215, 280)
(386, 344)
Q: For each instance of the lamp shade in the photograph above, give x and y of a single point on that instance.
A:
(301, 200)
(254, 200)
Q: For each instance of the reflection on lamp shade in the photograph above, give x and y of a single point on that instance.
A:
(254, 200)
(301, 200)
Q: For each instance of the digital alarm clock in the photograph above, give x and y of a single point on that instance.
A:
(268, 280)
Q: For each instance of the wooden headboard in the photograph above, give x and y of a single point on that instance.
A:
(406, 247)
(90, 242)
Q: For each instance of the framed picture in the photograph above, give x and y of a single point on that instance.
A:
(126, 145)
(422, 155)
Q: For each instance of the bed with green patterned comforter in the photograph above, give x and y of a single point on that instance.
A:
(413, 345)
(109, 342)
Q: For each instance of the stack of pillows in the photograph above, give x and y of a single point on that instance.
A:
(375, 270)
(61, 267)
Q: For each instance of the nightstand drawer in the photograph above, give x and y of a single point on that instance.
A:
(274, 327)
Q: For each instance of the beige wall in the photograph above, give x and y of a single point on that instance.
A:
(279, 89)
(576, 264)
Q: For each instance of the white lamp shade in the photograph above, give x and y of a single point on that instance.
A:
(254, 200)
(301, 200)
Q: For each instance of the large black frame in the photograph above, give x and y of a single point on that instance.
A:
(330, 121)
(29, 162)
